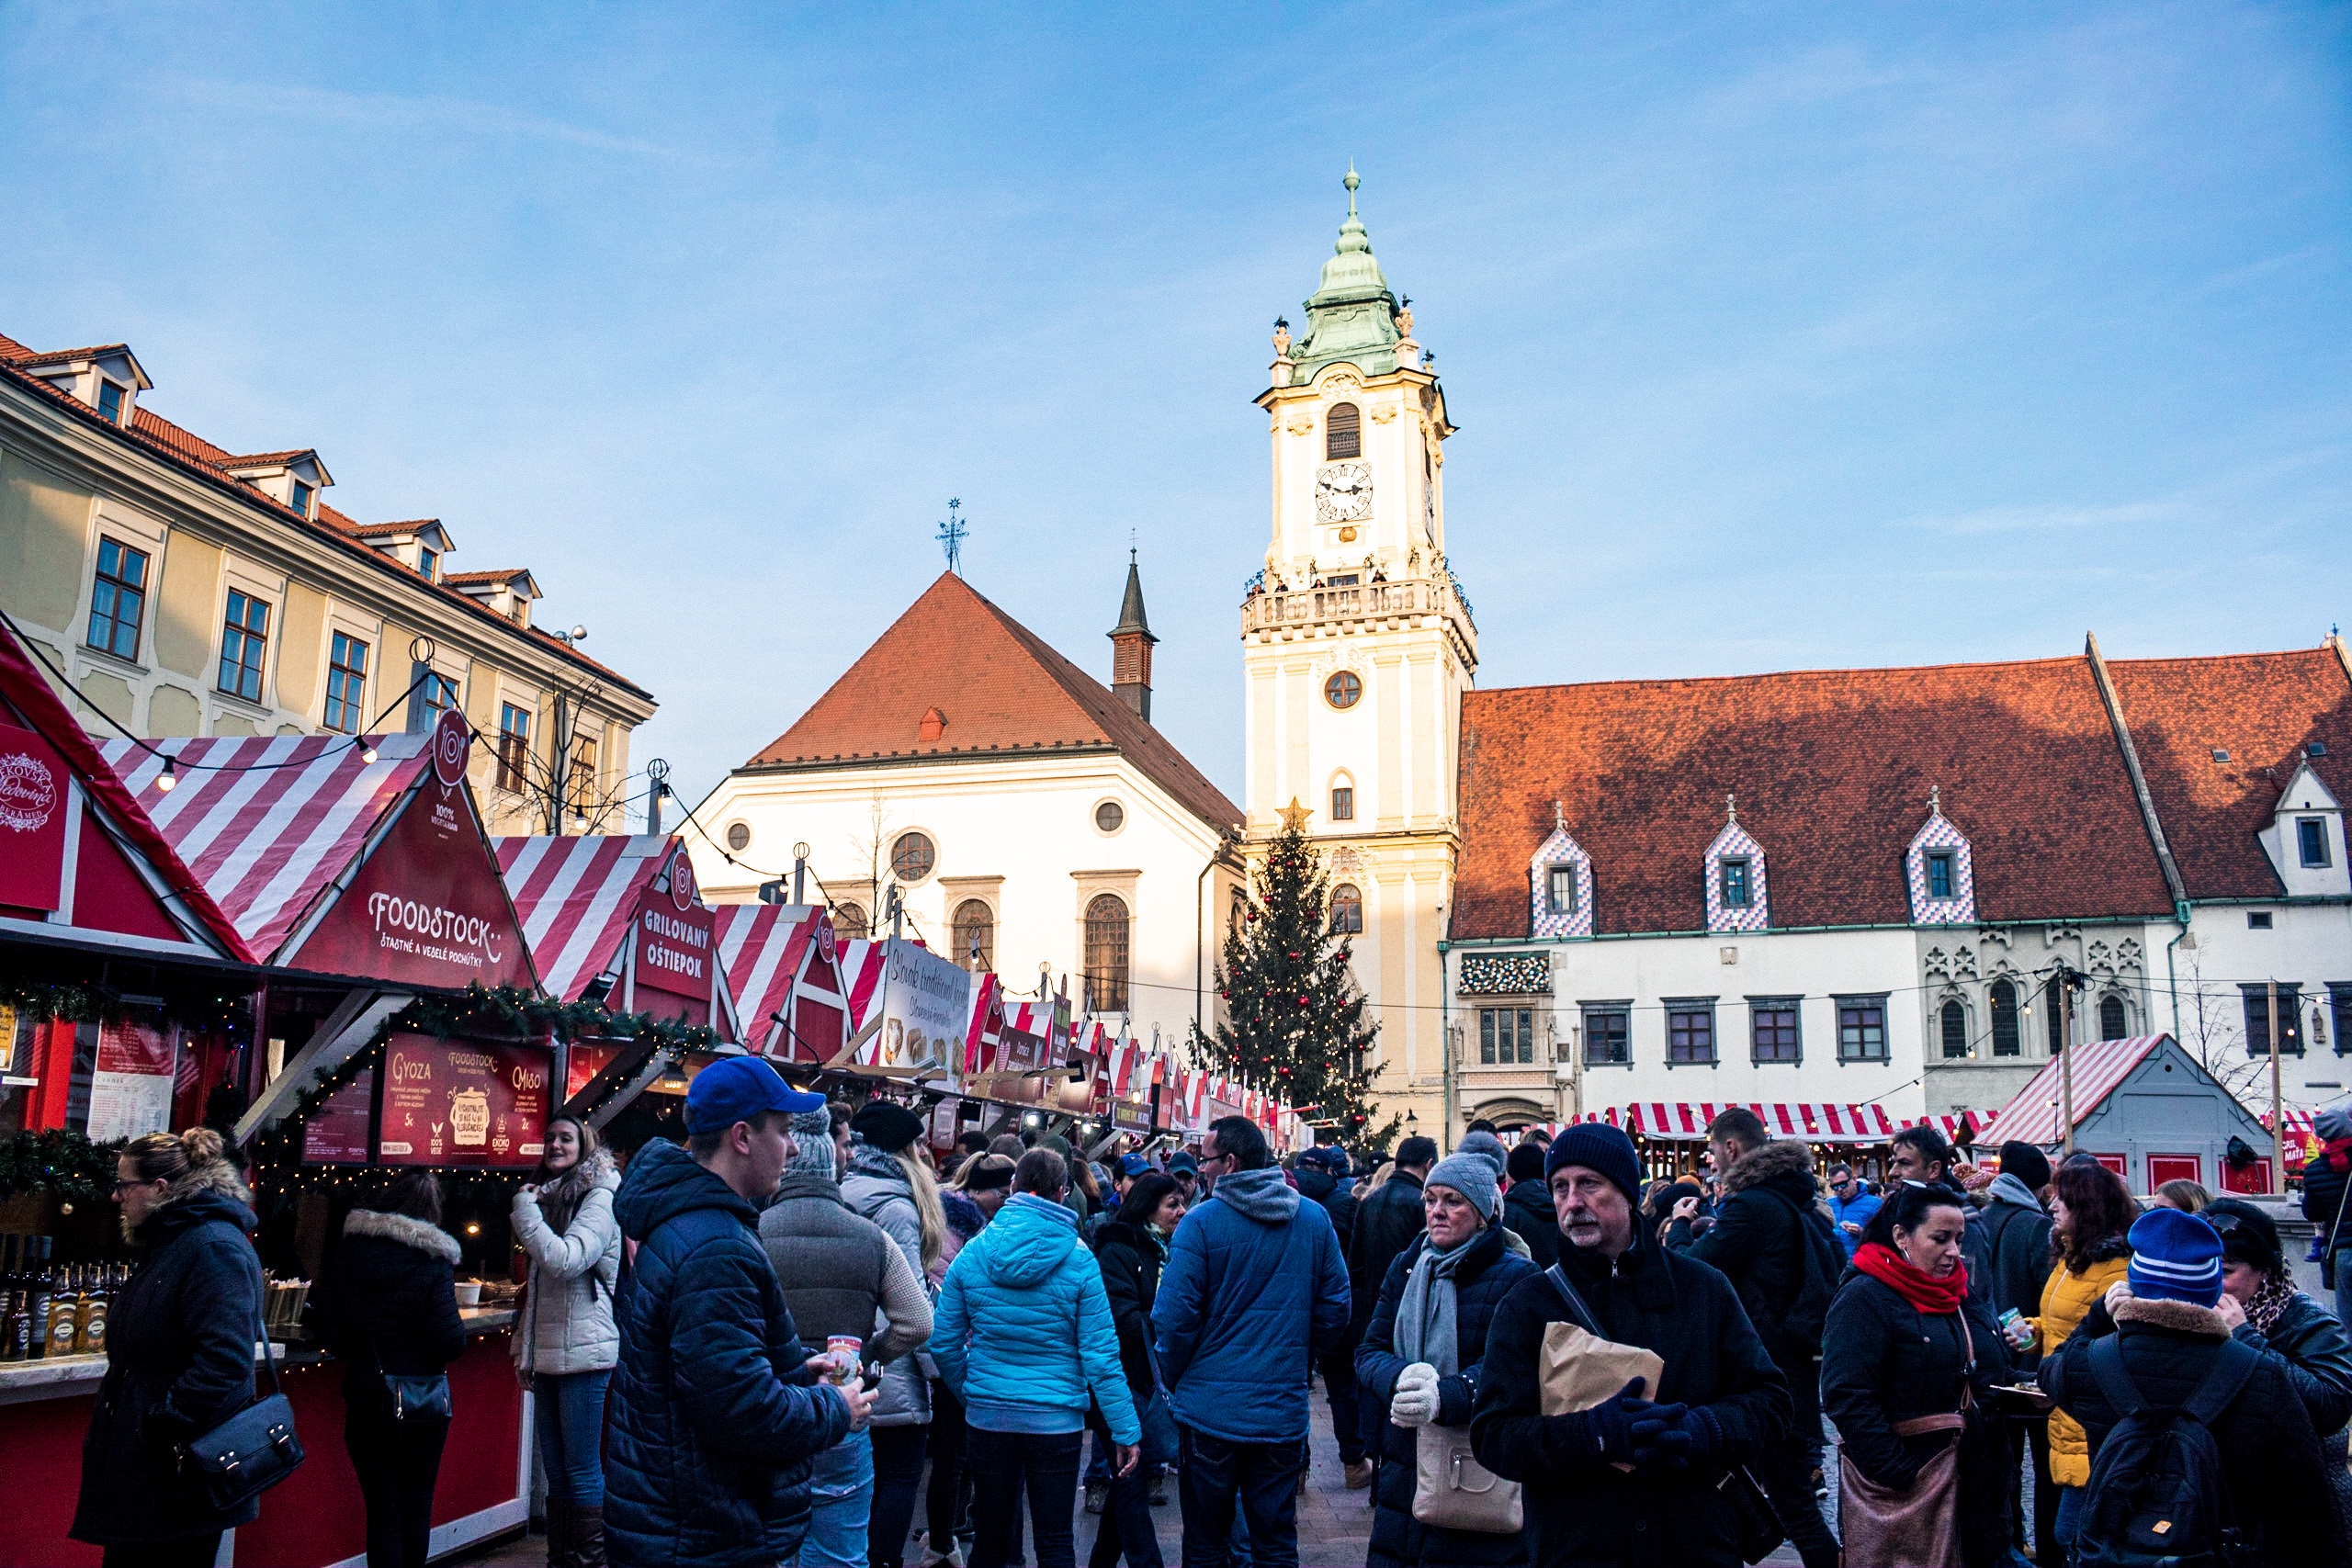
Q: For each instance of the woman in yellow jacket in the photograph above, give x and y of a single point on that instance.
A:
(2091, 1210)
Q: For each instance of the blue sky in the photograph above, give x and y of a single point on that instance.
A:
(1779, 337)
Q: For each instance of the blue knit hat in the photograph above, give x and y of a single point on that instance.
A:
(1597, 1146)
(2174, 1256)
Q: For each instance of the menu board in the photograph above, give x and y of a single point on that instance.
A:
(463, 1102)
(338, 1131)
(130, 1089)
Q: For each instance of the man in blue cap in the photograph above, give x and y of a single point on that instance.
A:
(708, 1449)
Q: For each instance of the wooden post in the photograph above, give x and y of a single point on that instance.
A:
(2065, 1056)
(2277, 1122)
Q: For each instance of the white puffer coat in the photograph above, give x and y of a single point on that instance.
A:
(567, 1321)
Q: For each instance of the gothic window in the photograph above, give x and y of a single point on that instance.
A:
(2053, 1025)
(849, 922)
(1343, 432)
(1506, 1036)
(1347, 909)
(975, 935)
(2004, 998)
(1953, 1020)
(1106, 954)
(913, 857)
(2112, 1023)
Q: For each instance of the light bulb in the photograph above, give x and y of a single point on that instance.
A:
(367, 749)
(169, 780)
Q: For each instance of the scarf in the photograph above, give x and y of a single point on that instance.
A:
(2338, 1153)
(1924, 1291)
(560, 1198)
(2275, 1295)
(1426, 1327)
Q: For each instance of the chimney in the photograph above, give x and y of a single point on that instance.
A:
(1131, 642)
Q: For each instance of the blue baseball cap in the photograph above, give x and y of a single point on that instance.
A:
(1133, 1165)
(738, 1088)
(1182, 1160)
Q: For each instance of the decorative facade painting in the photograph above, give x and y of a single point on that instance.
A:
(1505, 974)
(1737, 899)
(1560, 884)
(1940, 871)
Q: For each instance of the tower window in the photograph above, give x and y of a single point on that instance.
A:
(1563, 879)
(1953, 1020)
(1734, 884)
(1343, 690)
(1343, 803)
(1343, 432)
(913, 857)
(2004, 998)
(1940, 873)
(110, 402)
(2311, 839)
(1347, 909)
(975, 935)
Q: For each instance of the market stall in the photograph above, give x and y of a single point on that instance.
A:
(2148, 1111)
(783, 965)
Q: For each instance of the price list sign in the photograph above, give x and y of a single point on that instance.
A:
(463, 1102)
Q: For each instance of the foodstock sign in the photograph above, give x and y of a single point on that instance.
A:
(675, 946)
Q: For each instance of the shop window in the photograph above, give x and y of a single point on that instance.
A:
(119, 599)
(975, 935)
(1106, 954)
(244, 644)
(1506, 1036)
(1690, 1032)
(2007, 1040)
(346, 685)
(1861, 1028)
(1608, 1036)
(1952, 1019)
(513, 748)
(1343, 432)
(2114, 1021)
(2257, 1019)
(1347, 909)
(1774, 1030)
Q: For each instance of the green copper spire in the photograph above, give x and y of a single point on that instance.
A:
(1352, 316)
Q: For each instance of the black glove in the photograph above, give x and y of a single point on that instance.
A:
(1694, 1437)
(1609, 1429)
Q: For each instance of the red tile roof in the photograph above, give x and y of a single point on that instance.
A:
(999, 687)
(1832, 769)
(383, 530)
(2263, 709)
(459, 579)
(267, 459)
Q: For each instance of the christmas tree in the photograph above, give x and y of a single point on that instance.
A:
(1294, 1022)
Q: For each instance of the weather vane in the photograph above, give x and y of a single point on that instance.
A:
(951, 538)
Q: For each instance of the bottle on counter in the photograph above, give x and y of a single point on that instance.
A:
(90, 1313)
(59, 1335)
(11, 1306)
(39, 1282)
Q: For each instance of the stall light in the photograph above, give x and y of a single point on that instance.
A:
(367, 749)
(474, 1227)
(1031, 1120)
(170, 778)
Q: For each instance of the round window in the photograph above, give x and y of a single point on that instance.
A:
(1343, 690)
(913, 857)
(739, 836)
(1108, 815)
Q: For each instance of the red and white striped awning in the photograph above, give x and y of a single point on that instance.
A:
(267, 825)
(1812, 1122)
(782, 961)
(576, 897)
(2096, 1067)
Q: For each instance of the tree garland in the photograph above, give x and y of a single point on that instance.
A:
(60, 1002)
(56, 1161)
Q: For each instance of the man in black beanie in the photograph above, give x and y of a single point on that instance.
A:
(1629, 1482)
(2011, 1263)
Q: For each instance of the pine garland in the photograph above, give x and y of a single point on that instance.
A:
(1296, 1024)
(56, 1161)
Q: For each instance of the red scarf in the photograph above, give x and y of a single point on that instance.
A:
(1924, 1291)
(2338, 1153)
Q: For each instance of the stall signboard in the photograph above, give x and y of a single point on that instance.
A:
(33, 780)
(926, 1003)
(1016, 1079)
(463, 1102)
(946, 1118)
(1129, 1117)
(427, 906)
(675, 949)
(342, 1129)
(130, 1091)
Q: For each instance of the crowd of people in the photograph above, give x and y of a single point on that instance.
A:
(753, 1346)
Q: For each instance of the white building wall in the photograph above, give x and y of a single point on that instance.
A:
(2308, 942)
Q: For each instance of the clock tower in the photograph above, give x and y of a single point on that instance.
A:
(1357, 646)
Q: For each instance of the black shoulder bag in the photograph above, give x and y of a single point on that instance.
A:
(252, 1450)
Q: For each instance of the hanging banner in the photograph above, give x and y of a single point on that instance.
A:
(340, 1132)
(130, 1091)
(463, 1102)
(675, 946)
(926, 1002)
(32, 821)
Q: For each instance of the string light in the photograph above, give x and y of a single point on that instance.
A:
(169, 777)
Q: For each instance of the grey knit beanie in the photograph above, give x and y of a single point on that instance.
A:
(1488, 1147)
(1468, 1174)
(812, 1131)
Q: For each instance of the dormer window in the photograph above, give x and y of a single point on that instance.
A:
(428, 562)
(2311, 840)
(1738, 890)
(1563, 881)
(1940, 873)
(1560, 874)
(300, 499)
(110, 400)
(1734, 879)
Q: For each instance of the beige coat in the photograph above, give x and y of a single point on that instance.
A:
(567, 1317)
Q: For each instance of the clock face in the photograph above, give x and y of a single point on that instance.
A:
(1343, 494)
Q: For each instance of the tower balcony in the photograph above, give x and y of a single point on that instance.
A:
(1409, 602)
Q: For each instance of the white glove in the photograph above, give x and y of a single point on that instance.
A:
(1415, 1401)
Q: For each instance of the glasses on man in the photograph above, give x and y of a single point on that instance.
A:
(120, 1186)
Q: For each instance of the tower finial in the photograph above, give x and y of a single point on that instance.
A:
(1935, 800)
(951, 538)
(1559, 819)
(1351, 182)
(1731, 809)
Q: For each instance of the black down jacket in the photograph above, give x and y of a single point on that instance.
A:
(1528, 1212)
(1883, 1360)
(1584, 1512)
(1484, 1277)
(711, 1419)
(1386, 1224)
(179, 1361)
(388, 1300)
(1337, 1198)
(1130, 1261)
(1757, 1243)
(2270, 1456)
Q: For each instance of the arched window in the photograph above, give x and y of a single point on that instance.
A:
(1343, 432)
(1106, 954)
(849, 922)
(2004, 1001)
(1343, 799)
(1954, 1020)
(2114, 1022)
(913, 857)
(1347, 909)
(975, 935)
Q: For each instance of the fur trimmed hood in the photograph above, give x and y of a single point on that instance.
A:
(219, 1176)
(431, 1240)
(1781, 1157)
(2182, 1317)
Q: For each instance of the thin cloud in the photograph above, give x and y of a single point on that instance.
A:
(2047, 518)
(451, 116)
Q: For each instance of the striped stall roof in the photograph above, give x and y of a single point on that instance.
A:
(780, 957)
(2098, 1066)
(576, 897)
(1816, 1123)
(269, 834)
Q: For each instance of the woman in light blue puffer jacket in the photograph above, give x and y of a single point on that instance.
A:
(1023, 1335)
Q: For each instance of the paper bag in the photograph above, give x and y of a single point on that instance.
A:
(1580, 1372)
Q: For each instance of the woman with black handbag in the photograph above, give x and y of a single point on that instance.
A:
(386, 1307)
(1909, 1358)
(179, 1355)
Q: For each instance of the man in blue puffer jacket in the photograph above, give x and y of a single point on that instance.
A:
(714, 1410)
(1024, 1337)
(1253, 1293)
